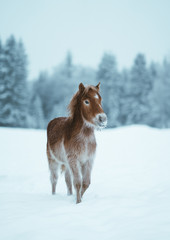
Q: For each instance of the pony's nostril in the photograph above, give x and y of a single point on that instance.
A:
(100, 119)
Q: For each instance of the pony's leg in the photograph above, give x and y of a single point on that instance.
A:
(86, 174)
(68, 181)
(53, 166)
(76, 178)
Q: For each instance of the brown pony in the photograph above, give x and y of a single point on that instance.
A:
(71, 143)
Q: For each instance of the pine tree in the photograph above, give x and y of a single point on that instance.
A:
(13, 95)
(21, 88)
(139, 86)
(68, 66)
(161, 96)
(125, 98)
(44, 90)
(154, 113)
(35, 117)
(2, 84)
(108, 76)
(7, 112)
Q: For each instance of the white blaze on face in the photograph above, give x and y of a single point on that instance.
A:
(96, 96)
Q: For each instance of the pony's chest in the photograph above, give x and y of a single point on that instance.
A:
(88, 149)
(81, 148)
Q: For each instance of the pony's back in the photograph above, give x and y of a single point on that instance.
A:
(55, 130)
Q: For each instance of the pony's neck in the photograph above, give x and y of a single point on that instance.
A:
(78, 124)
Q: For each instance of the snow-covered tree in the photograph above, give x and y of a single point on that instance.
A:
(21, 92)
(2, 82)
(35, 117)
(154, 112)
(139, 87)
(8, 112)
(161, 96)
(13, 92)
(41, 88)
(124, 98)
(68, 65)
(109, 77)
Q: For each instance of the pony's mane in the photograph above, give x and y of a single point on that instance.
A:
(76, 100)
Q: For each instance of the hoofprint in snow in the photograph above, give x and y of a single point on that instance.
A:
(129, 197)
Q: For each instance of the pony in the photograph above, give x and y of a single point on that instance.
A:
(71, 143)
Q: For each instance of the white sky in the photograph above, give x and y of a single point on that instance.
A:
(49, 28)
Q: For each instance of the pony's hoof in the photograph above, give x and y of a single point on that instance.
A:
(78, 201)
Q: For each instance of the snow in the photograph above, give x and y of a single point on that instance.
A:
(129, 197)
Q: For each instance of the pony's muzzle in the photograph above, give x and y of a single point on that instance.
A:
(101, 120)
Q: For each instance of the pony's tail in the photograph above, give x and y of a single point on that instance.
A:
(63, 168)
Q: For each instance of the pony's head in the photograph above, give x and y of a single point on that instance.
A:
(87, 102)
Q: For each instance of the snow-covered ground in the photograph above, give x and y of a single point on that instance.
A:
(129, 198)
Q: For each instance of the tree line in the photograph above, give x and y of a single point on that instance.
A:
(138, 95)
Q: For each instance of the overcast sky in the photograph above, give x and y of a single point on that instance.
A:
(49, 28)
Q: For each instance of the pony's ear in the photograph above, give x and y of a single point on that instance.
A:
(98, 86)
(81, 87)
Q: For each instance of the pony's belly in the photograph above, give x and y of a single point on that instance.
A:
(59, 154)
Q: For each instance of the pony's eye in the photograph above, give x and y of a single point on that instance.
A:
(86, 102)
